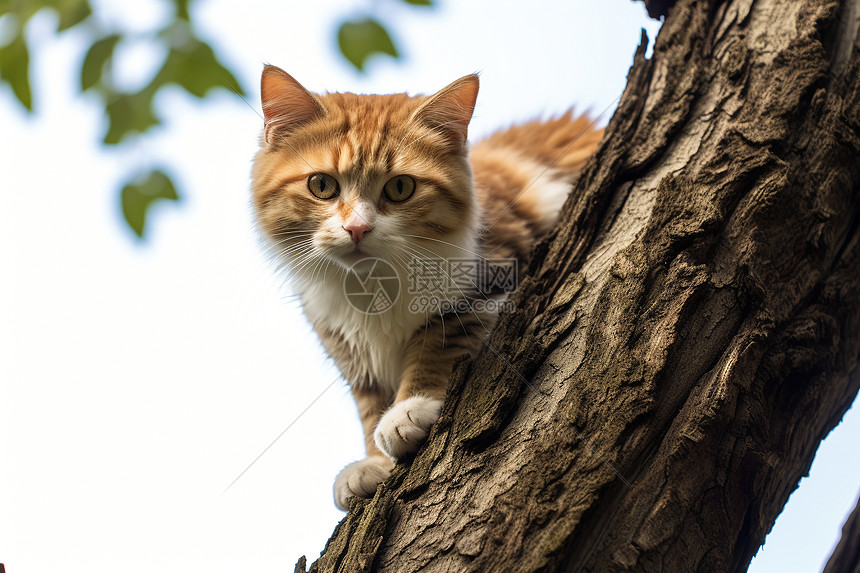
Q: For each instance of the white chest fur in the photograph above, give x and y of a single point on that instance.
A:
(377, 339)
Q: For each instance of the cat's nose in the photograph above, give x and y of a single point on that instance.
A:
(356, 228)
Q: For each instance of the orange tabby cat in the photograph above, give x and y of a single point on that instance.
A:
(401, 243)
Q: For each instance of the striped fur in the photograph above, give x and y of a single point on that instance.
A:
(487, 205)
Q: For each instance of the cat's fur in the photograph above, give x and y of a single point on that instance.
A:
(490, 204)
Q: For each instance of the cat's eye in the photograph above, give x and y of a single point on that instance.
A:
(399, 188)
(323, 186)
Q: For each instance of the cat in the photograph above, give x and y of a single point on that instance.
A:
(396, 236)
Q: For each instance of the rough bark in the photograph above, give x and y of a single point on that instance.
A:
(682, 342)
(846, 556)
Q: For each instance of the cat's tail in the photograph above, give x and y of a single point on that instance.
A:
(539, 160)
(563, 143)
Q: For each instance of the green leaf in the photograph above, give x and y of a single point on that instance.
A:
(197, 70)
(20, 11)
(182, 9)
(15, 69)
(190, 63)
(419, 2)
(138, 197)
(94, 63)
(360, 39)
(130, 113)
(71, 12)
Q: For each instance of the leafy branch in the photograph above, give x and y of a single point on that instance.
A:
(190, 64)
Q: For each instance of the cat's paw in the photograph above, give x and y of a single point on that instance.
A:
(405, 426)
(360, 479)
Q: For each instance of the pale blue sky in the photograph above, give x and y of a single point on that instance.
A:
(139, 380)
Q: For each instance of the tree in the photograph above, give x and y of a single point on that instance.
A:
(682, 341)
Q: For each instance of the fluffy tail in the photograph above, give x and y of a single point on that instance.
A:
(531, 166)
(564, 142)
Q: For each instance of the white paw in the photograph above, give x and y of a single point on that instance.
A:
(360, 479)
(405, 425)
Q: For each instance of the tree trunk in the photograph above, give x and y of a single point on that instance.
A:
(683, 341)
(846, 556)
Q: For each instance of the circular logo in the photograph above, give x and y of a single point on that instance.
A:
(371, 286)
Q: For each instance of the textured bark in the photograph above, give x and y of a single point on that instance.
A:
(683, 341)
(846, 557)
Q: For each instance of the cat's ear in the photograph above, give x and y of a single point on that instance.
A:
(450, 109)
(287, 105)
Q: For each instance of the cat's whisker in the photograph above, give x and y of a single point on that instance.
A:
(464, 249)
(292, 250)
(293, 234)
(286, 245)
(322, 267)
(303, 260)
(308, 265)
(293, 255)
(287, 248)
(293, 241)
(312, 266)
(305, 263)
(317, 268)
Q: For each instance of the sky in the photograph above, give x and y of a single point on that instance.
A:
(138, 380)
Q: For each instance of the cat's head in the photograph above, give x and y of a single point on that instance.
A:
(341, 177)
